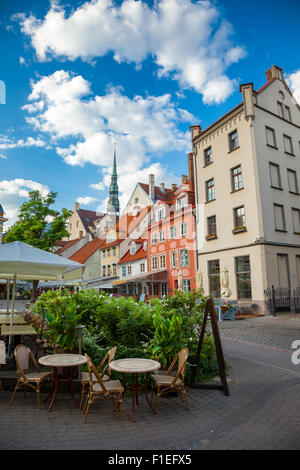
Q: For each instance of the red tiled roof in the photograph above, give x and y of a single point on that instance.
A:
(116, 242)
(87, 250)
(158, 193)
(266, 85)
(140, 254)
(67, 245)
(61, 242)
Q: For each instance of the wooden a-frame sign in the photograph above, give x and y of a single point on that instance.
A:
(210, 311)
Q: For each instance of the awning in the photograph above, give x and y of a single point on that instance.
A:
(103, 285)
(160, 276)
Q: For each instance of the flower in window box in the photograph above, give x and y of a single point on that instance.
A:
(239, 228)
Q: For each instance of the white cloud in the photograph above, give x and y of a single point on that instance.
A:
(141, 126)
(85, 201)
(293, 81)
(12, 194)
(7, 143)
(3, 156)
(98, 186)
(188, 41)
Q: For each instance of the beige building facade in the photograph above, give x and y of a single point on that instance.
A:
(247, 176)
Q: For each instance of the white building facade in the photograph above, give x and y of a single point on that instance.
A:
(247, 170)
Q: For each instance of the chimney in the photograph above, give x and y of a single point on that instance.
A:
(151, 186)
(191, 171)
(173, 186)
(162, 186)
(76, 206)
(247, 92)
(80, 234)
(184, 179)
(274, 72)
(196, 131)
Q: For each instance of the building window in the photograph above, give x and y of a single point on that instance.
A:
(280, 109)
(108, 252)
(212, 225)
(233, 141)
(279, 217)
(161, 235)
(181, 203)
(123, 271)
(186, 285)
(236, 178)
(184, 258)
(164, 289)
(173, 259)
(103, 271)
(239, 217)
(104, 254)
(155, 289)
(183, 228)
(270, 136)
(172, 232)
(214, 278)
(296, 220)
(288, 145)
(208, 156)
(154, 263)
(114, 251)
(288, 114)
(243, 277)
(292, 180)
(109, 270)
(153, 238)
(275, 175)
(162, 261)
(129, 270)
(142, 267)
(210, 190)
(114, 270)
(160, 214)
(133, 248)
(136, 201)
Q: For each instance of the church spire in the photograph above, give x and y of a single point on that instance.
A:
(113, 201)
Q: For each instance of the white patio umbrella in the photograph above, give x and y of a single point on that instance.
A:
(180, 280)
(21, 261)
(199, 279)
(225, 292)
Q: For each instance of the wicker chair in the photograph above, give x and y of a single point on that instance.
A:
(112, 390)
(23, 354)
(105, 377)
(165, 383)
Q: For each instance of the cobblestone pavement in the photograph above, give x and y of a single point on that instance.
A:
(277, 332)
(262, 411)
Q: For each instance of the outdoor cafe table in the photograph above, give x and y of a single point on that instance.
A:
(17, 330)
(17, 320)
(135, 366)
(57, 361)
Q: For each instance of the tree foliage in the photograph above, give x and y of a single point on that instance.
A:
(38, 224)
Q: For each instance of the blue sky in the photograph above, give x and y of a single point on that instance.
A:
(83, 75)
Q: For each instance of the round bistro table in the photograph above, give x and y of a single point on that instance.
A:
(135, 366)
(62, 360)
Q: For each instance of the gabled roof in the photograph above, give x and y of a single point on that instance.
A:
(88, 217)
(158, 193)
(67, 245)
(87, 250)
(140, 254)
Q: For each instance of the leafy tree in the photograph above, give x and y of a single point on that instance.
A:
(39, 225)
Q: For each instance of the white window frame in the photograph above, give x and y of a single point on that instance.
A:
(162, 256)
(153, 268)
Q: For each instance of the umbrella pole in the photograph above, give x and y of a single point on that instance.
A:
(7, 300)
(12, 308)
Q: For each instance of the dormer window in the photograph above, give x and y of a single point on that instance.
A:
(133, 248)
(181, 203)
